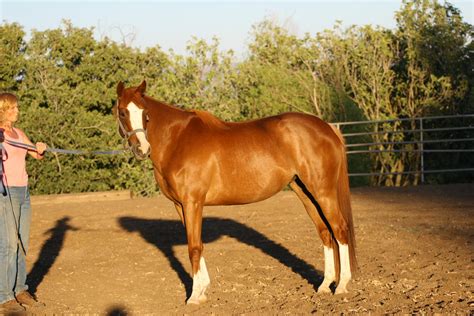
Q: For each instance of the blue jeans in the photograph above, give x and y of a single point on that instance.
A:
(15, 219)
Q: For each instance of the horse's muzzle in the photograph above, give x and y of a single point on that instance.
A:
(138, 153)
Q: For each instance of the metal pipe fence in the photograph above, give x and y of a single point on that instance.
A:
(424, 141)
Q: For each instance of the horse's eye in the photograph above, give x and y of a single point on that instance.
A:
(122, 113)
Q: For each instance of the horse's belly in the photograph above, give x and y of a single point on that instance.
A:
(246, 185)
(242, 197)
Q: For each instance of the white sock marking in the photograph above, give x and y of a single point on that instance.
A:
(200, 282)
(345, 268)
(202, 276)
(345, 261)
(329, 268)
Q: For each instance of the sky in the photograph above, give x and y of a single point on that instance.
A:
(172, 24)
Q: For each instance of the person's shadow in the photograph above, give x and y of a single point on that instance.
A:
(165, 234)
(49, 252)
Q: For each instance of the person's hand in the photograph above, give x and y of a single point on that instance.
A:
(41, 147)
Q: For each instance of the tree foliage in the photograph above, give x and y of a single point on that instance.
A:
(66, 81)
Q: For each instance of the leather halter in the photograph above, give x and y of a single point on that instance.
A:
(127, 135)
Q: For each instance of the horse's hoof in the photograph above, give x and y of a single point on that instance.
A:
(193, 301)
(202, 298)
(341, 290)
(324, 290)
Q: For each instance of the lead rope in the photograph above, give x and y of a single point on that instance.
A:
(66, 151)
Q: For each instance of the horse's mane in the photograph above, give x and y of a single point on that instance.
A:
(210, 120)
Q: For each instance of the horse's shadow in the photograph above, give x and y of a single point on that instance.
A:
(165, 234)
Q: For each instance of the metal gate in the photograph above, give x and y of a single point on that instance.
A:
(456, 132)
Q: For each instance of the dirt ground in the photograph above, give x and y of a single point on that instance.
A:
(118, 256)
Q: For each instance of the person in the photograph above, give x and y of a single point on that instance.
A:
(15, 210)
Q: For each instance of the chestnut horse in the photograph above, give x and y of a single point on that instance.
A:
(200, 160)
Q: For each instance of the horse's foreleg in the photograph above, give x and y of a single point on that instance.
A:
(193, 223)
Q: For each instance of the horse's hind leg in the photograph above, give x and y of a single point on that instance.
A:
(193, 223)
(330, 208)
(329, 260)
(326, 196)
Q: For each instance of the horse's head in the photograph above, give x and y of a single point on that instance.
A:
(131, 113)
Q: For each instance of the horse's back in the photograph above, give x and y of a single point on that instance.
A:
(303, 136)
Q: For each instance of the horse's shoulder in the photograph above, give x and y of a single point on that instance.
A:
(210, 120)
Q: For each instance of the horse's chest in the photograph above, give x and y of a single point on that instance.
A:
(164, 185)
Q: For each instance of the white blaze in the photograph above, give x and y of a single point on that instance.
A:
(136, 120)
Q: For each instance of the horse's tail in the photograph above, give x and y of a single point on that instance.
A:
(344, 200)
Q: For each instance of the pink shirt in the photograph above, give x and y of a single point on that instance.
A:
(14, 162)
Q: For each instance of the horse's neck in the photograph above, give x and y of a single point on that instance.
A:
(166, 121)
(165, 113)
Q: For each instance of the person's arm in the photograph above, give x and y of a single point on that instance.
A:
(40, 147)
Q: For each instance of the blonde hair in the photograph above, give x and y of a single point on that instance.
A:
(7, 101)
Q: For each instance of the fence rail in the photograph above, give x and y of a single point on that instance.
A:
(424, 137)
(426, 130)
(454, 140)
(338, 124)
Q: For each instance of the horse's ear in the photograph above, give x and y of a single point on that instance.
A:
(120, 88)
(142, 87)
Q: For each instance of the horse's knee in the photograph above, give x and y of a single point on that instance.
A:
(194, 252)
(195, 256)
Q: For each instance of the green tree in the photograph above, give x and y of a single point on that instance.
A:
(66, 98)
(203, 79)
(358, 61)
(431, 72)
(12, 49)
(434, 56)
(283, 74)
(419, 90)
